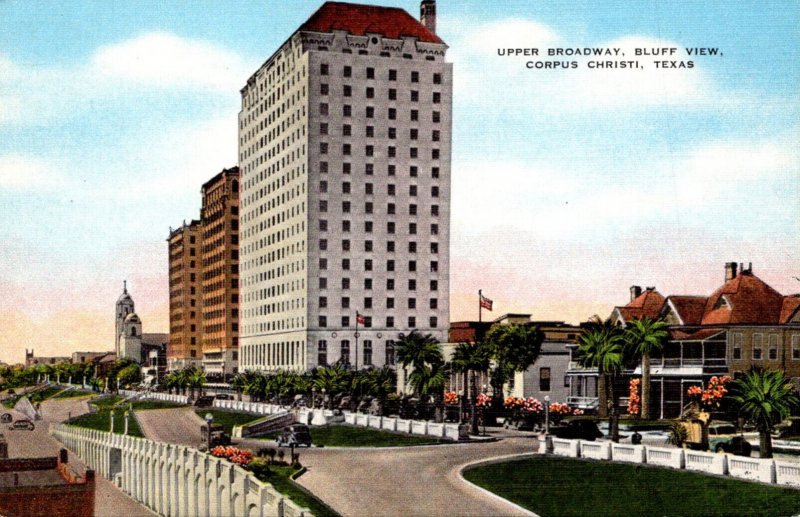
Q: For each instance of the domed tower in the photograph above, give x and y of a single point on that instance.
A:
(131, 338)
(124, 308)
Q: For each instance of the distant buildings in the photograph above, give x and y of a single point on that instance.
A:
(743, 324)
(131, 341)
(204, 282)
(344, 149)
(33, 360)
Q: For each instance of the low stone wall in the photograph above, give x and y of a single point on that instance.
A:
(176, 480)
(754, 469)
(154, 395)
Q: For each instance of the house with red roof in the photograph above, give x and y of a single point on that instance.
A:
(745, 323)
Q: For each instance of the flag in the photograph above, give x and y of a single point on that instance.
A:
(486, 303)
(361, 319)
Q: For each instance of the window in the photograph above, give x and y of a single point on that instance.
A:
(772, 353)
(323, 89)
(323, 148)
(390, 284)
(435, 135)
(434, 154)
(347, 90)
(437, 97)
(436, 116)
(412, 322)
(367, 226)
(390, 227)
(369, 150)
(345, 321)
(323, 302)
(346, 245)
(323, 167)
(368, 246)
(434, 285)
(390, 246)
(412, 265)
(413, 134)
(413, 152)
(412, 303)
(434, 191)
(346, 264)
(390, 209)
(413, 171)
(323, 264)
(323, 321)
(345, 355)
(392, 132)
(370, 92)
(323, 128)
(323, 69)
(390, 170)
(347, 110)
(434, 229)
(390, 189)
(433, 322)
(346, 149)
(544, 379)
(414, 96)
(345, 187)
(346, 168)
(392, 151)
(368, 265)
(433, 303)
(345, 283)
(368, 207)
(412, 247)
(412, 190)
(322, 352)
(412, 209)
(414, 115)
(392, 114)
(434, 172)
(390, 265)
(796, 347)
(367, 303)
(437, 78)
(370, 112)
(412, 284)
(390, 303)
(758, 344)
(434, 247)
(415, 77)
(389, 321)
(323, 205)
(392, 75)
(369, 169)
(323, 244)
(434, 209)
(392, 94)
(323, 225)
(348, 71)
(367, 352)
(323, 283)
(346, 207)
(345, 302)
(389, 348)
(370, 73)
(347, 130)
(323, 109)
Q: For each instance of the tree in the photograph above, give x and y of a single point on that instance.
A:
(601, 347)
(644, 337)
(514, 348)
(195, 378)
(470, 359)
(131, 374)
(424, 355)
(766, 398)
(380, 382)
(331, 380)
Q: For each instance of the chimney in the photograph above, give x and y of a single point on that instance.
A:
(427, 14)
(636, 290)
(730, 271)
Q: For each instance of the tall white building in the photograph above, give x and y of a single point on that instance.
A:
(344, 151)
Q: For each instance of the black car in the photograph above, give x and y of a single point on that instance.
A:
(296, 435)
(577, 430)
(25, 425)
(737, 446)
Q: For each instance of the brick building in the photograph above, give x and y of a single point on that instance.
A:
(185, 300)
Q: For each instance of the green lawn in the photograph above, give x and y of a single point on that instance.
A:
(228, 419)
(568, 487)
(102, 422)
(280, 478)
(68, 394)
(351, 436)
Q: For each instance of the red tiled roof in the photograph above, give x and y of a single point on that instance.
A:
(689, 308)
(646, 305)
(699, 335)
(790, 306)
(748, 300)
(360, 20)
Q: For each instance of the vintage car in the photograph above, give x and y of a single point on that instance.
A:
(294, 435)
(25, 425)
(577, 429)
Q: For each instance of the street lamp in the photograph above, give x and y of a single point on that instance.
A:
(209, 420)
(546, 415)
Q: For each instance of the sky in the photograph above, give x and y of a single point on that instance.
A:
(568, 185)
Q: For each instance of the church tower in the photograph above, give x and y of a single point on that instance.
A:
(124, 308)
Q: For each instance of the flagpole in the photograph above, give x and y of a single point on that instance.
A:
(480, 306)
(356, 358)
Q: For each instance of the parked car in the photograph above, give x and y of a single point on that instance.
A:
(736, 445)
(296, 435)
(204, 401)
(577, 429)
(224, 396)
(26, 425)
(6, 418)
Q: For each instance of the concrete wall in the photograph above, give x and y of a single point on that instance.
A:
(151, 395)
(754, 469)
(175, 480)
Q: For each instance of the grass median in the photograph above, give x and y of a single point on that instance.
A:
(561, 486)
(351, 436)
(101, 419)
(280, 477)
(228, 419)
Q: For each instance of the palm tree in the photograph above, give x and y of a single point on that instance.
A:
(645, 337)
(601, 347)
(331, 380)
(470, 359)
(765, 397)
(380, 382)
(195, 378)
(514, 348)
(239, 381)
(423, 354)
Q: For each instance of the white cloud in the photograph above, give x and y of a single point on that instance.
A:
(479, 70)
(25, 173)
(168, 61)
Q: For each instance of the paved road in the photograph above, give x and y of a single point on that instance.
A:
(179, 425)
(109, 500)
(405, 481)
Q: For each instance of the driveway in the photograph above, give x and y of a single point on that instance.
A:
(179, 425)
